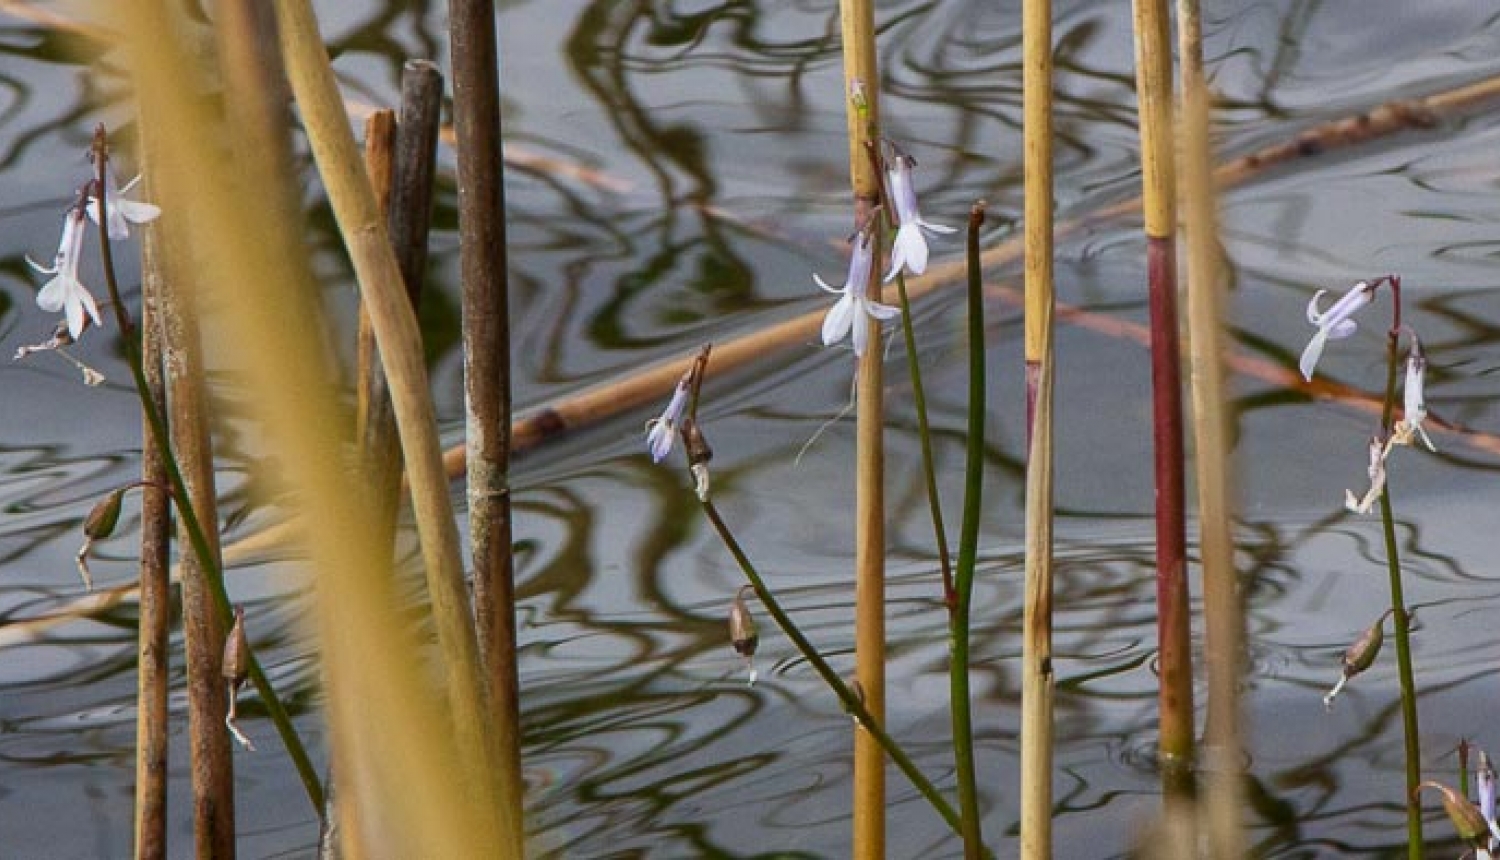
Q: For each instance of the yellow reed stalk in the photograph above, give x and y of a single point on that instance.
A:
(1212, 429)
(1036, 671)
(381, 697)
(857, 24)
(384, 295)
(1037, 678)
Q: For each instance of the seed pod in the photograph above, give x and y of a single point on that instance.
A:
(1466, 818)
(742, 633)
(1359, 657)
(698, 451)
(102, 520)
(237, 651)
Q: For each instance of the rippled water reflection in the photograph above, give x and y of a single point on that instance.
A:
(715, 133)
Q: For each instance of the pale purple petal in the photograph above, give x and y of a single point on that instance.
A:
(74, 312)
(936, 228)
(1312, 353)
(659, 440)
(838, 320)
(880, 311)
(1341, 329)
(53, 295)
(861, 332)
(1314, 314)
(909, 250)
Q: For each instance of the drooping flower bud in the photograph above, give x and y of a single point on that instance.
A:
(235, 669)
(1359, 657)
(742, 632)
(1466, 818)
(99, 525)
(698, 454)
(236, 666)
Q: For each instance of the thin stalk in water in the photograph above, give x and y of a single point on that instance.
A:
(196, 537)
(968, 553)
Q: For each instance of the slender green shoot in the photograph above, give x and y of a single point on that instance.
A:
(277, 711)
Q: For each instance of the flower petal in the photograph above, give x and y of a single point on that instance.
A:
(838, 320)
(936, 228)
(880, 311)
(1312, 353)
(909, 250)
(824, 284)
(53, 295)
(74, 312)
(1342, 329)
(1314, 315)
(137, 211)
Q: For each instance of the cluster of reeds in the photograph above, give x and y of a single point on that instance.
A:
(428, 763)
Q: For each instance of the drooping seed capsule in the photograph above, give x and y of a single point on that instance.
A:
(698, 454)
(99, 525)
(236, 665)
(1359, 657)
(235, 669)
(742, 632)
(1466, 818)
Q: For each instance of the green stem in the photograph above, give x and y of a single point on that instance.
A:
(924, 435)
(1401, 620)
(206, 557)
(968, 551)
(850, 700)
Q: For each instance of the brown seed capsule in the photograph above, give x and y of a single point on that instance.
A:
(237, 651)
(102, 520)
(742, 633)
(1363, 652)
(698, 451)
(1466, 817)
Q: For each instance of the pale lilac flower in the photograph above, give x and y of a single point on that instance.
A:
(853, 306)
(1484, 778)
(65, 292)
(1415, 412)
(661, 432)
(1335, 324)
(910, 247)
(122, 210)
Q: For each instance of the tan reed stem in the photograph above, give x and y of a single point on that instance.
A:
(153, 652)
(380, 693)
(1036, 671)
(401, 353)
(1153, 57)
(1213, 429)
(484, 280)
(857, 26)
(369, 381)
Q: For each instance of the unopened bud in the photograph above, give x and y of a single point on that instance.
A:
(235, 669)
(1466, 818)
(236, 665)
(742, 633)
(698, 451)
(102, 520)
(1359, 657)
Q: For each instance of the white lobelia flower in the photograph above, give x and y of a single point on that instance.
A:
(661, 432)
(1414, 399)
(1335, 324)
(1484, 778)
(853, 306)
(910, 247)
(65, 292)
(122, 210)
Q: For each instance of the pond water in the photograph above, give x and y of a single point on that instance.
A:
(716, 133)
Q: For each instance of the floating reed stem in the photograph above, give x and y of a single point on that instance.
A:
(1213, 428)
(380, 692)
(1153, 59)
(153, 649)
(857, 26)
(1037, 249)
(484, 279)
